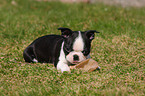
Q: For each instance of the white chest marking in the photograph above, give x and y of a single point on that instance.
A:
(78, 44)
(62, 63)
(62, 55)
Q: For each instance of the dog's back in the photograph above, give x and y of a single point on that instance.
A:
(34, 52)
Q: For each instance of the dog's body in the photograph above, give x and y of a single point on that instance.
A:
(71, 47)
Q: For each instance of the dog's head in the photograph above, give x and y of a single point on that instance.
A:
(77, 44)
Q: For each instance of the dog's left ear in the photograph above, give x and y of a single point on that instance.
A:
(91, 34)
(65, 32)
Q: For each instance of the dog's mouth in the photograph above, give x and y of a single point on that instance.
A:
(75, 62)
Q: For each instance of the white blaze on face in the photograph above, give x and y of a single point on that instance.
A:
(78, 47)
(78, 44)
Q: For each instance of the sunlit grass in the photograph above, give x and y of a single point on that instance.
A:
(119, 49)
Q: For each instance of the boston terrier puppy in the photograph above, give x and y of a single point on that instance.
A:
(71, 47)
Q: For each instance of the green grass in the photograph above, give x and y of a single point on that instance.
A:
(119, 49)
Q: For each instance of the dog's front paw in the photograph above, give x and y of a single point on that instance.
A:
(65, 70)
(63, 67)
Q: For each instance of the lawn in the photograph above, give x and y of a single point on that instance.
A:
(119, 49)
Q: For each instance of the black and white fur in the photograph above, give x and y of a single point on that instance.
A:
(71, 47)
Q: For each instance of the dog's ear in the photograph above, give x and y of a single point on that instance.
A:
(65, 32)
(91, 34)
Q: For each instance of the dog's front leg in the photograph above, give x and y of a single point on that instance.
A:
(62, 63)
(63, 66)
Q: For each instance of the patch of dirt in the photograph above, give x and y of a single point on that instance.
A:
(124, 3)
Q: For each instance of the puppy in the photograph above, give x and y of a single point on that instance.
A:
(71, 47)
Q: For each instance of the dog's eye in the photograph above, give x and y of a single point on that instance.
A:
(67, 49)
(85, 52)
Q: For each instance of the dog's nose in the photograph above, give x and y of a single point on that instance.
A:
(76, 58)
